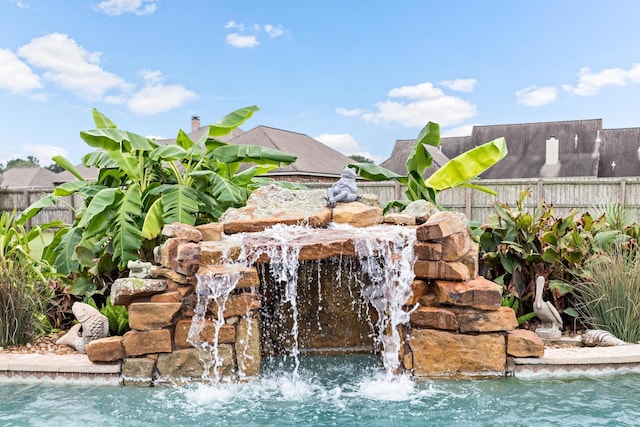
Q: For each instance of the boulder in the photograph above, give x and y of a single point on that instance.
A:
(137, 343)
(184, 231)
(434, 318)
(478, 293)
(107, 349)
(145, 316)
(439, 226)
(502, 319)
(227, 333)
(211, 232)
(357, 214)
(524, 343)
(126, 289)
(455, 271)
(138, 371)
(421, 210)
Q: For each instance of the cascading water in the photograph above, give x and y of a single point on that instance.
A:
(383, 272)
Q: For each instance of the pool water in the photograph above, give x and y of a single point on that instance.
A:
(337, 390)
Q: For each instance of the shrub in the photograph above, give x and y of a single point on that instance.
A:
(607, 294)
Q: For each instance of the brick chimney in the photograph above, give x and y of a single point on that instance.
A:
(195, 123)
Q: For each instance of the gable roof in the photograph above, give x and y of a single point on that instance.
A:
(314, 157)
(622, 148)
(90, 174)
(401, 151)
(33, 177)
(197, 134)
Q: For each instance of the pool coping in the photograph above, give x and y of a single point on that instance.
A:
(569, 362)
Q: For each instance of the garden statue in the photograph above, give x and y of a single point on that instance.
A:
(550, 319)
(345, 190)
(600, 338)
(139, 269)
(94, 325)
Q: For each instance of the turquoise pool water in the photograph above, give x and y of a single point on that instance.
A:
(340, 391)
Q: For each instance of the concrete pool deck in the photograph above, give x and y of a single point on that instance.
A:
(567, 362)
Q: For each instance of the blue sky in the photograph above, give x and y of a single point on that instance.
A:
(354, 74)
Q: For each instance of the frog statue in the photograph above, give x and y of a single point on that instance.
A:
(345, 190)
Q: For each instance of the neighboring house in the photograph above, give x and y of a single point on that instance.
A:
(316, 162)
(24, 178)
(575, 148)
(90, 174)
(401, 151)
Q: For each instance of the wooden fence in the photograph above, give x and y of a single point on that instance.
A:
(584, 194)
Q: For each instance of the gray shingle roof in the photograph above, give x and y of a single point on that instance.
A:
(621, 146)
(34, 177)
(400, 154)
(90, 174)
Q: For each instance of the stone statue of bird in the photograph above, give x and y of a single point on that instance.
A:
(550, 319)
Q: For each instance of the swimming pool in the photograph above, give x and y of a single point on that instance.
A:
(337, 390)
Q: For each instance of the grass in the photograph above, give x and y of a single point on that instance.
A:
(608, 294)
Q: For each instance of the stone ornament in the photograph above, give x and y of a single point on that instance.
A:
(600, 338)
(550, 319)
(93, 325)
(345, 190)
(139, 269)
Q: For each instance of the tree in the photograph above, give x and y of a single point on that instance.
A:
(31, 161)
(54, 167)
(360, 159)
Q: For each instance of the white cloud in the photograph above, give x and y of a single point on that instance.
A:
(240, 41)
(70, 66)
(118, 7)
(44, 153)
(273, 31)
(426, 103)
(22, 5)
(346, 144)
(159, 98)
(15, 75)
(534, 96)
(590, 83)
(461, 85)
(464, 130)
(233, 24)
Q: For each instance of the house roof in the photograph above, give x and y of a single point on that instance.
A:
(400, 153)
(622, 148)
(197, 134)
(90, 174)
(33, 177)
(314, 157)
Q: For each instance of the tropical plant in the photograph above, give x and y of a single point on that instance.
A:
(460, 171)
(117, 315)
(143, 185)
(517, 246)
(607, 294)
(23, 295)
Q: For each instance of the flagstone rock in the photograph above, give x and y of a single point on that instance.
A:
(137, 343)
(248, 347)
(471, 259)
(399, 219)
(107, 349)
(456, 245)
(152, 315)
(441, 270)
(166, 253)
(211, 232)
(439, 226)
(138, 371)
(428, 251)
(502, 319)
(524, 343)
(126, 289)
(167, 273)
(171, 296)
(434, 318)
(226, 334)
(247, 277)
(357, 214)
(238, 304)
(478, 293)
(421, 210)
(181, 230)
(448, 354)
(180, 364)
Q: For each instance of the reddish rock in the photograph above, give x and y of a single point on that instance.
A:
(247, 277)
(188, 252)
(502, 319)
(357, 214)
(470, 260)
(238, 304)
(478, 293)
(211, 232)
(214, 253)
(163, 272)
(172, 296)
(439, 354)
(248, 348)
(428, 251)
(399, 219)
(152, 315)
(456, 246)
(435, 318)
(441, 270)
(439, 226)
(227, 333)
(524, 343)
(137, 343)
(166, 253)
(419, 288)
(107, 349)
(183, 231)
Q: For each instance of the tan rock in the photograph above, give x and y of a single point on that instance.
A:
(419, 288)
(399, 219)
(152, 315)
(470, 260)
(248, 349)
(187, 267)
(188, 252)
(524, 343)
(167, 273)
(227, 333)
(421, 210)
(428, 251)
(126, 289)
(439, 354)
(172, 296)
(435, 318)
(166, 252)
(502, 319)
(456, 246)
(185, 291)
(214, 253)
(227, 371)
(439, 226)
(441, 270)
(211, 232)
(478, 293)
(179, 365)
(238, 304)
(138, 371)
(137, 343)
(247, 277)
(183, 231)
(357, 214)
(107, 349)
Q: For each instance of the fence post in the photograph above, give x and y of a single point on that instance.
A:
(467, 202)
(623, 191)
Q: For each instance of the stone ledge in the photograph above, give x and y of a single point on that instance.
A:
(584, 356)
(71, 363)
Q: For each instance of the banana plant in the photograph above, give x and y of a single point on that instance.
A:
(460, 171)
(143, 185)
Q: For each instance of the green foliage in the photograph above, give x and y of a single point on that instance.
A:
(143, 185)
(607, 294)
(117, 315)
(460, 171)
(518, 245)
(23, 294)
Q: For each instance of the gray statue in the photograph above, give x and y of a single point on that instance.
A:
(139, 269)
(345, 190)
(94, 326)
(550, 319)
